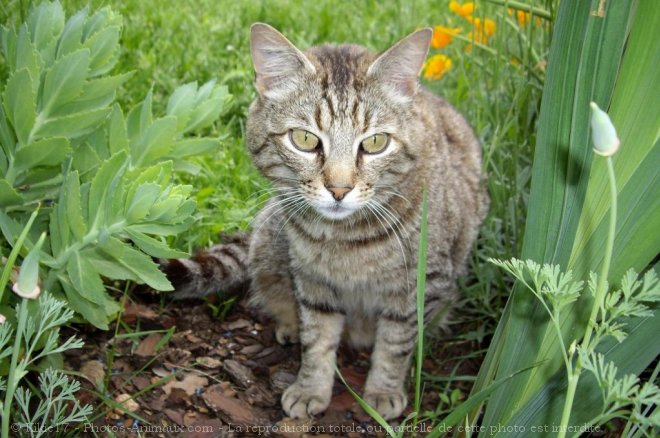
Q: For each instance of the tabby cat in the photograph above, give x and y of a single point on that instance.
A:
(349, 140)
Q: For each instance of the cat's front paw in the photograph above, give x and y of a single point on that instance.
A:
(388, 404)
(301, 401)
(286, 333)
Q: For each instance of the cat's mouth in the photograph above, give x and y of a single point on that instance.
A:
(336, 211)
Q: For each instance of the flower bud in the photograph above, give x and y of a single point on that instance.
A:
(603, 134)
(28, 285)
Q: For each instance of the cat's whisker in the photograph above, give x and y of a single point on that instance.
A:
(393, 193)
(297, 208)
(280, 206)
(382, 213)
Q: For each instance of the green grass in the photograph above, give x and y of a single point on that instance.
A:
(167, 42)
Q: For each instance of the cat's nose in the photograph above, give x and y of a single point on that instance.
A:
(339, 192)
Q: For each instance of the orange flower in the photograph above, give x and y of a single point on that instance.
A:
(482, 31)
(442, 36)
(464, 10)
(436, 67)
(522, 16)
(487, 27)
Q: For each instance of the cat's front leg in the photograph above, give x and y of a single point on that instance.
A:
(395, 339)
(321, 326)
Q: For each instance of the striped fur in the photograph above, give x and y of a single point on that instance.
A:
(323, 269)
(221, 267)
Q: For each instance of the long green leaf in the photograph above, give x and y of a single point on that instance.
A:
(583, 63)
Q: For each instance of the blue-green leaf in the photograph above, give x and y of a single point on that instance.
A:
(143, 199)
(64, 81)
(155, 142)
(153, 247)
(20, 104)
(85, 278)
(194, 146)
(138, 263)
(103, 186)
(74, 125)
(47, 152)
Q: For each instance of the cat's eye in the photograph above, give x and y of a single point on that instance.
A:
(375, 143)
(304, 140)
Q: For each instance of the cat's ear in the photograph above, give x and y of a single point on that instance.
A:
(276, 61)
(400, 65)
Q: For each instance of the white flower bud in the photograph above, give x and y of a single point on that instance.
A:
(603, 134)
(30, 294)
(3, 319)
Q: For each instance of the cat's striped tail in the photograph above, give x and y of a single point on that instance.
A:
(222, 267)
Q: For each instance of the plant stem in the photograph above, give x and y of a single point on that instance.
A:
(524, 7)
(12, 379)
(601, 289)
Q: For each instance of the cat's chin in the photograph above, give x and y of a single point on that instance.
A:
(335, 213)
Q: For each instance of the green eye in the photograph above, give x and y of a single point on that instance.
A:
(304, 140)
(376, 143)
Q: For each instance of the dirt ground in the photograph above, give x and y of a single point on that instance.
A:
(208, 377)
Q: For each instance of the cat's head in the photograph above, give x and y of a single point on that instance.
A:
(331, 126)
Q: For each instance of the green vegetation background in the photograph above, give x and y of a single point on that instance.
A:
(169, 42)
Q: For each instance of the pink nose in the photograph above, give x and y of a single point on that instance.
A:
(339, 192)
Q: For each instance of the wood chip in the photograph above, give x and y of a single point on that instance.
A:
(238, 324)
(259, 395)
(282, 379)
(232, 410)
(249, 350)
(209, 362)
(174, 415)
(239, 374)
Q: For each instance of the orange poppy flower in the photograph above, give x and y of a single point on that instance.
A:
(464, 10)
(436, 67)
(442, 36)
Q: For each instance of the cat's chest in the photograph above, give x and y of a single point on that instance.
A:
(367, 266)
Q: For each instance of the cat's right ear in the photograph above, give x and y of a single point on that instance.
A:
(277, 62)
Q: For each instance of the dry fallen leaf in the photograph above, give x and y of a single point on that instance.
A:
(94, 371)
(189, 384)
(147, 347)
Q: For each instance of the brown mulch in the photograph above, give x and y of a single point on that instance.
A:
(214, 378)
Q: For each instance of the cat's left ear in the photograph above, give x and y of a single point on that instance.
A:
(277, 62)
(400, 65)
